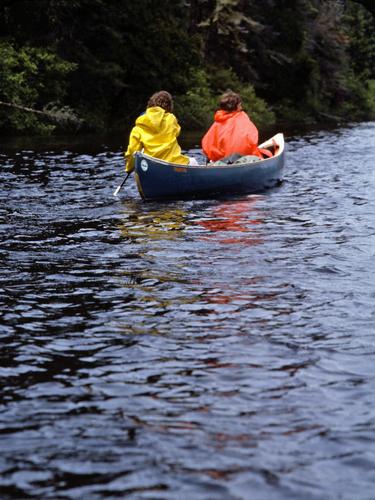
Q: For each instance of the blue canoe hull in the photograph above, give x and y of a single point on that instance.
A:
(160, 180)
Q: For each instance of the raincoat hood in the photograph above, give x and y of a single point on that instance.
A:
(222, 116)
(152, 120)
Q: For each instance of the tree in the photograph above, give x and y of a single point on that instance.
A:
(302, 57)
(122, 51)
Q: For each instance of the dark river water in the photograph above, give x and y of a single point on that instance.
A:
(208, 349)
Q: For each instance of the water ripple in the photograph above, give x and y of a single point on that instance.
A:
(197, 349)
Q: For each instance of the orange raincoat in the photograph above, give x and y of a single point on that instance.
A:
(231, 132)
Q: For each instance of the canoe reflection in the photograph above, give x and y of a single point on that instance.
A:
(235, 216)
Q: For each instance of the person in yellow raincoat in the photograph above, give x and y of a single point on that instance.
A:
(156, 132)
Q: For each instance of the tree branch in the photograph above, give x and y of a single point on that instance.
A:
(23, 108)
(63, 115)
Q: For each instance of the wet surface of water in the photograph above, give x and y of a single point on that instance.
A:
(211, 349)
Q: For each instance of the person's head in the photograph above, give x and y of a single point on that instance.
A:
(230, 101)
(163, 99)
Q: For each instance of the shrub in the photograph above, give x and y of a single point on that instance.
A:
(196, 108)
(30, 77)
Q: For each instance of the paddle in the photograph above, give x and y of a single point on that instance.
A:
(120, 186)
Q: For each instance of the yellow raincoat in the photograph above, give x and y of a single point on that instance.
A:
(155, 132)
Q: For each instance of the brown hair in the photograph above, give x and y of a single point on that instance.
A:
(229, 101)
(162, 99)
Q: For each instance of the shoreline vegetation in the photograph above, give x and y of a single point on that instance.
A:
(89, 67)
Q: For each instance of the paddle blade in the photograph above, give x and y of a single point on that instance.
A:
(116, 191)
(120, 186)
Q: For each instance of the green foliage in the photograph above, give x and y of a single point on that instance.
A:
(64, 116)
(371, 98)
(287, 111)
(361, 36)
(123, 51)
(361, 104)
(197, 107)
(291, 59)
(258, 110)
(307, 58)
(32, 77)
(360, 33)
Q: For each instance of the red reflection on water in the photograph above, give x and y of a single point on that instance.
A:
(235, 216)
(247, 298)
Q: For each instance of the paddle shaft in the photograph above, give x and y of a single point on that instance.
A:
(121, 185)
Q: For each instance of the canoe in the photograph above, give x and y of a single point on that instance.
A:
(160, 180)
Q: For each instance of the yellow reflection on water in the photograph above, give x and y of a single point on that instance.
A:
(162, 223)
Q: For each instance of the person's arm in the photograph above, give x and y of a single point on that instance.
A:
(133, 146)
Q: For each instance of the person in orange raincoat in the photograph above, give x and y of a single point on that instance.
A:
(232, 131)
(155, 132)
